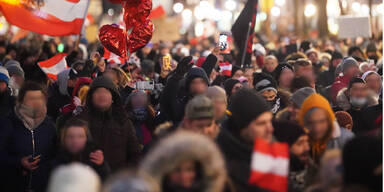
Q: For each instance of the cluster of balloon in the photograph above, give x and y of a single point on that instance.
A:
(138, 30)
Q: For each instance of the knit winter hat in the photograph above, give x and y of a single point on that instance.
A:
(229, 84)
(300, 95)
(315, 101)
(286, 131)
(344, 119)
(14, 68)
(279, 69)
(263, 82)
(347, 63)
(104, 82)
(195, 72)
(355, 80)
(245, 107)
(216, 93)
(4, 75)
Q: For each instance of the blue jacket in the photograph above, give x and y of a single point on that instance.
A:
(16, 143)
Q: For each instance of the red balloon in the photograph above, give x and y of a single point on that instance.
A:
(114, 39)
(140, 36)
(136, 13)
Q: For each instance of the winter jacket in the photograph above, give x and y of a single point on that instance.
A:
(7, 103)
(327, 77)
(16, 143)
(237, 155)
(59, 96)
(340, 136)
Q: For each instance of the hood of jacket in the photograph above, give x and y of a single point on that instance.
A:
(195, 72)
(62, 81)
(343, 100)
(185, 146)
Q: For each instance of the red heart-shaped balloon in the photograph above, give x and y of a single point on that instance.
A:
(135, 14)
(114, 39)
(140, 36)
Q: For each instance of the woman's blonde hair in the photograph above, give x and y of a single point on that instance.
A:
(74, 122)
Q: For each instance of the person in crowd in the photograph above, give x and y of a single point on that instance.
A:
(77, 146)
(303, 68)
(237, 72)
(299, 82)
(270, 64)
(317, 116)
(372, 53)
(284, 75)
(142, 115)
(239, 132)
(344, 119)
(350, 69)
(248, 73)
(374, 82)
(61, 92)
(7, 101)
(266, 86)
(120, 78)
(362, 163)
(219, 99)
(186, 161)
(176, 96)
(16, 74)
(302, 169)
(231, 86)
(132, 181)
(313, 56)
(28, 142)
(291, 112)
(326, 78)
(354, 99)
(109, 124)
(355, 51)
(74, 177)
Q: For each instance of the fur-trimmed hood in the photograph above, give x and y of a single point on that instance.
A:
(183, 146)
(342, 100)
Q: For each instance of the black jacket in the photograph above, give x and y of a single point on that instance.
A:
(7, 103)
(327, 77)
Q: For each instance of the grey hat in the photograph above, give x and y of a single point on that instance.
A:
(199, 107)
(14, 68)
(300, 95)
(216, 93)
(347, 63)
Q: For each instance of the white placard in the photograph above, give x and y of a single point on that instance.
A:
(352, 27)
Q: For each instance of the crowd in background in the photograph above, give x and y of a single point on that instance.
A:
(190, 125)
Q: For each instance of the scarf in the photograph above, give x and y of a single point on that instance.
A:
(140, 113)
(31, 117)
(275, 105)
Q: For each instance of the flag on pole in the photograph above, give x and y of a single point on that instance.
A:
(240, 30)
(53, 66)
(225, 68)
(49, 17)
(270, 165)
(112, 58)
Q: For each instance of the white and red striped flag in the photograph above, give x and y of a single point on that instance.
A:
(225, 68)
(53, 66)
(50, 17)
(112, 58)
(270, 165)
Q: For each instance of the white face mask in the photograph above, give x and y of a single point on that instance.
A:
(358, 102)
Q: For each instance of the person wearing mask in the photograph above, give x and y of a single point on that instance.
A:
(7, 101)
(302, 169)
(270, 64)
(350, 69)
(284, 75)
(77, 146)
(317, 117)
(326, 78)
(28, 142)
(186, 162)
(250, 119)
(355, 99)
(178, 92)
(109, 124)
(219, 99)
(266, 86)
(374, 82)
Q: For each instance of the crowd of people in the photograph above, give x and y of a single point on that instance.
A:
(189, 123)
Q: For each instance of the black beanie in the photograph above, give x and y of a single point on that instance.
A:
(277, 72)
(288, 132)
(245, 107)
(229, 84)
(234, 69)
(104, 82)
(355, 80)
(263, 82)
(195, 72)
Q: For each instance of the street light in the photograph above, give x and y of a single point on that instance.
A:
(310, 10)
(178, 7)
(230, 5)
(186, 14)
(275, 11)
(356, 6)
(280, 2)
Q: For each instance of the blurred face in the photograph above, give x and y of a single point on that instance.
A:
(237, 74)
(204, 126)
(336, 62)
(198, 86)
(259, 128)
(293, 113)
(352, 71)
(184, 175)
(237, 87)
(3, 86)
(318, 124)
(112, 75)
(373, 82)
(34, 99)
(270, 65)
(269, 95)
(286, 78)
(19, 80)
(249, 75)
(220, 108)
(303, 71)
(102, 99)
(313, 57)
(75, 139)
(139, 101)
(301, 148)
(358, 90)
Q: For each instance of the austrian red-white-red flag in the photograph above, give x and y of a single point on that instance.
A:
(225, 68)
(112, 58)
(53, 66)
(270, 165)
(49, 17)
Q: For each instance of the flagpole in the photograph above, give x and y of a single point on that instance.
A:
(82, 27)
(245, 45)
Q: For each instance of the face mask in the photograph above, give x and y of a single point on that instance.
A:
(275, 105)
(358, 102)
(140, 113)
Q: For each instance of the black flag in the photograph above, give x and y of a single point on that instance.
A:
(243, 28)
